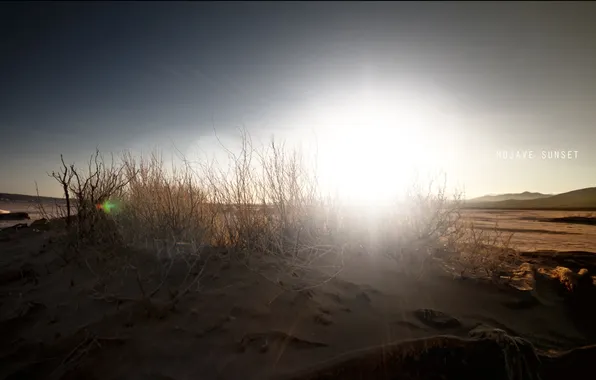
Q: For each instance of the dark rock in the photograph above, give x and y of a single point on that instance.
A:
(15, 216)
(437, 319)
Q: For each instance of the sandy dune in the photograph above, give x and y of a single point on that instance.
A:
(61, 320)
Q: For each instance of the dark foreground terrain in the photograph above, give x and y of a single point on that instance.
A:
(113, 313)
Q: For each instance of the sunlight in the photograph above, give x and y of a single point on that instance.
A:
(370, 149)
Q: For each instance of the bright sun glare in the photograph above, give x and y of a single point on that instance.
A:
(372, 149)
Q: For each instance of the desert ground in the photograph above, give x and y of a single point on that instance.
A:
(88, 316)
(541, 230)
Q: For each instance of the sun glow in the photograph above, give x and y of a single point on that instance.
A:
(370, 150)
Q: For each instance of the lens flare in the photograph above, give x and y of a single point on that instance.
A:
(107, 206)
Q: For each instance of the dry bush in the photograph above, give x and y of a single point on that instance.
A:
(91, 190)
(414, 229)
(274, 216)
(242, 217)
(427, 227)
(129, 204)
(266, 208)
(298, 224)
(161, 210)
(86, 192)
(64, 177)
(482, 251)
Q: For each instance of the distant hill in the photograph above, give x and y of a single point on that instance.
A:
(526, 195)
(582, 199)
(19, 198)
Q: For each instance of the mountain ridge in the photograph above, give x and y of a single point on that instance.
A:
(526, 195)
(580, 199)
(8, 197)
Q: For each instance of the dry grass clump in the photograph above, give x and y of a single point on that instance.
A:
(272, 214)
(266, 209)
(159, 210)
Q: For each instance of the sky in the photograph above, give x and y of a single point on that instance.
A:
(379, 86)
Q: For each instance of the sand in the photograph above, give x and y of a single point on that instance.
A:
(87, 315)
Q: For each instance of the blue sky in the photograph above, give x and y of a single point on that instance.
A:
(133, 75)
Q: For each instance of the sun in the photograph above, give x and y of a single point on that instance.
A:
(370, 150)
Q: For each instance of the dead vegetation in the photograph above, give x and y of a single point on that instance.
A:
(266, 210)
(481, 252)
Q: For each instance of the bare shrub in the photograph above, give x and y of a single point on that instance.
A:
(93, 191)
(64, 177)
(91, 194)
(275, 217)
(482, 251)
(162, 210)
(243, 215)
(131, 204)
(266, 208)
(415, 228)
